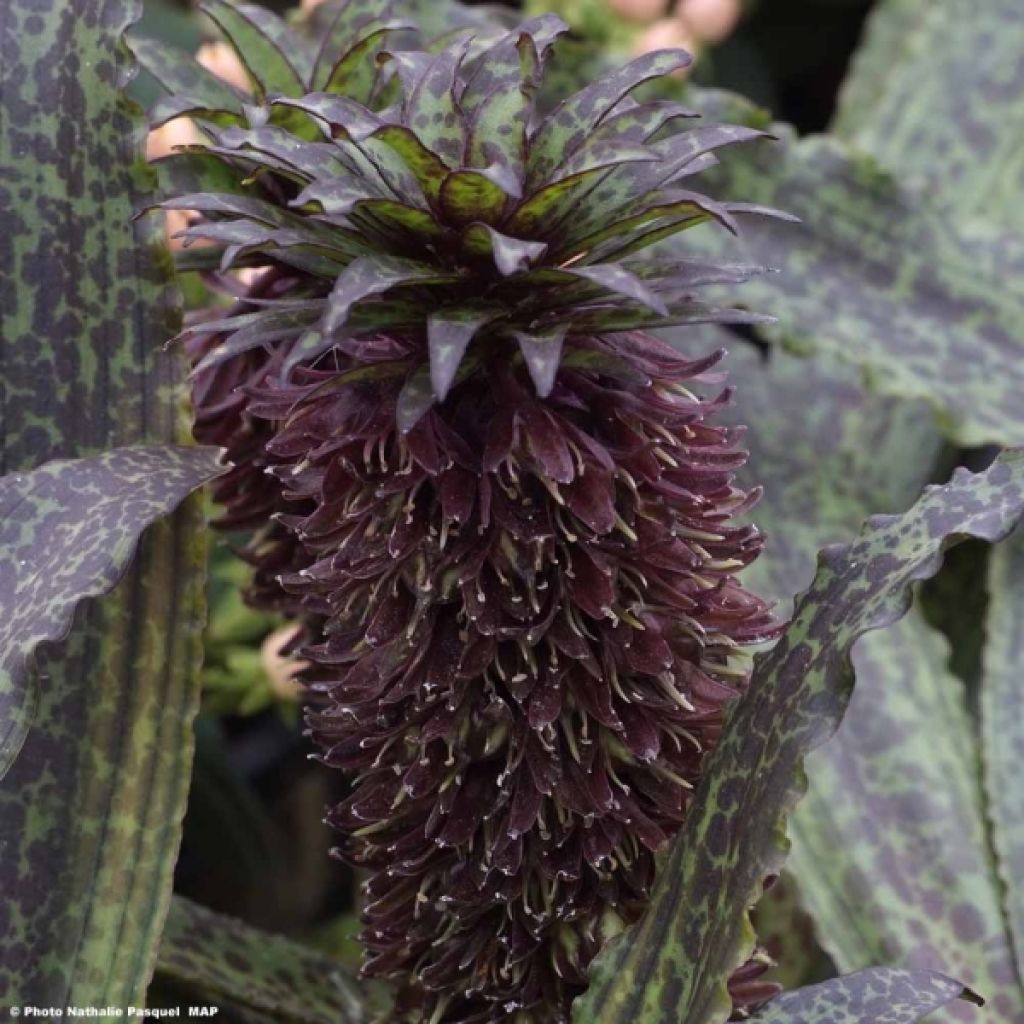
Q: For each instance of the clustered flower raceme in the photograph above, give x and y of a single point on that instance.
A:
(500, 506)
(532, 632)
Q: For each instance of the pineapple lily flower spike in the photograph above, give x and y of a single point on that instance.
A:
(501, 508)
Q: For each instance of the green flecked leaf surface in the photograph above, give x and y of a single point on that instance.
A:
(167, 108)
(874, 270)
(880, 995)
(675, 963)
(342, 32)
(426, 168)
(67, 533)
(542, 210)
(967, 162)
(225, 960)
(468, 196)
(449, 332)
(335, 111)
(392, 216)
(355, 73)
(848, 453)
(1002, 727)
(896, 789)
(432, 112)
(90, 811)
(568, 126)
(684, 212)
(680, 156)
(497, 126)
(289, 153)
(934, 93)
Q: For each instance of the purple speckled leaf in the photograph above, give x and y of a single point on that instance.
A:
(90, 812)
(67, 532)
(675, 964)
(878, 995)
(567, 127)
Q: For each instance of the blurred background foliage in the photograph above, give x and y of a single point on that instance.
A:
(253, 841)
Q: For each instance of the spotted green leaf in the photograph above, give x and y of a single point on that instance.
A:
(943, 326)
(568, 126)
(427, 168)
(432, 112)
(195, 172)
(220, 959)
(332, 112)
(923, 100)
(168, 108)
(468, 196)
(355, 74)
(1002, 727)
(880, 995)
(541, 210)
(349, 44)
(90, 812)
(494, 100)
(67, 533)
(901, 773)
(675, 963)
(922, 794)
(898, 792)
(338, 26)
(290, 154)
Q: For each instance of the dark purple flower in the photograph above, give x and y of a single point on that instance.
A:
(506, 512)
